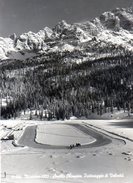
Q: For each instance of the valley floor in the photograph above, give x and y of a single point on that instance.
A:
(105, 154)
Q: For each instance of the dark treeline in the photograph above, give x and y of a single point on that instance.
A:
(48, 83)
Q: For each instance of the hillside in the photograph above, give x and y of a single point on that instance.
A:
(70, 70)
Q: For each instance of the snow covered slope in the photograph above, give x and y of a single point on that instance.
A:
(113, 28)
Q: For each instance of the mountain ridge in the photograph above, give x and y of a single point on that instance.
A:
(114, 27)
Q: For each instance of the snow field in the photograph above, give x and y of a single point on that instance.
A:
(123, 127)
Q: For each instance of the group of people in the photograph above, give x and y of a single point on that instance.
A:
(72, 145)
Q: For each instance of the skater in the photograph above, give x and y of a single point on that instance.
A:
(71, 146)
(4, 174)
(78, 144)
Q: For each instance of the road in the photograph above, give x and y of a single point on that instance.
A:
(29, 135)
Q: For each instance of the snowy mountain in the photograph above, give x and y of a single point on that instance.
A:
(113, 28)
(79, 69)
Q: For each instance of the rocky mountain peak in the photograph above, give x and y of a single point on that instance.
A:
(113, 27)
(61, 26)
(13, 36)
(117, 19)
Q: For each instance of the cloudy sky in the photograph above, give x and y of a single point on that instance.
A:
(24, 15)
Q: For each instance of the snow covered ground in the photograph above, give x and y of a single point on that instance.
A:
(112, 163)
(122, 127)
